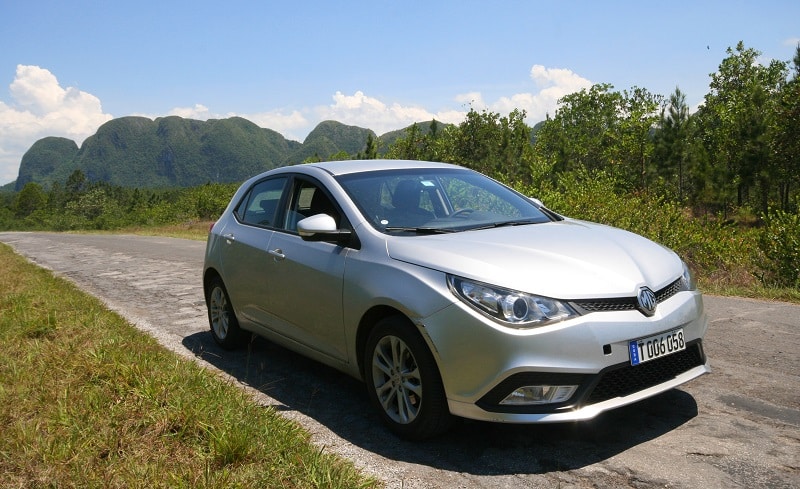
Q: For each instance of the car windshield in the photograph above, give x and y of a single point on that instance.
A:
(431, 201)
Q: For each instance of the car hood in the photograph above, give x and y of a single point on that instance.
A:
(565, 259)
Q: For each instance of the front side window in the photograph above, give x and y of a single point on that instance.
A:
(308, 199)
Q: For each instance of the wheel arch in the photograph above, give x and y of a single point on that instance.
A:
(368, 322)
(209, 276)
(434, 416)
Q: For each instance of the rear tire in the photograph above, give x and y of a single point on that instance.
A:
(403, 381)
(221, 318)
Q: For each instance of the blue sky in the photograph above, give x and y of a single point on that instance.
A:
(66, 67)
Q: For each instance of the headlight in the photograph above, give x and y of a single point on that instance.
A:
(515, 309)
(687, 278)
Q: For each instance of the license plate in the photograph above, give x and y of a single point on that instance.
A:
(646, 349)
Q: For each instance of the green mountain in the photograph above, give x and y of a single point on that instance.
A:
(330, 137)
(166, 152)
(177, 152)
(42, 159)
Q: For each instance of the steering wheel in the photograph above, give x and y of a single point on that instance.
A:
(462, 212)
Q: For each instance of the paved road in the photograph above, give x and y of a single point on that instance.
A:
(738, 427)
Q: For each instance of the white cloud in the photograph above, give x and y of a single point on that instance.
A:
(553, 84)
(40, 107)
(291, 125)
(199, 112)
(369, 112)
(362, 110)
(792, 42)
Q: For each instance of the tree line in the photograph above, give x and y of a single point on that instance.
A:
(738, 152)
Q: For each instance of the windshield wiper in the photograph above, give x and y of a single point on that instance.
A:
(502, 224)
(420, 230)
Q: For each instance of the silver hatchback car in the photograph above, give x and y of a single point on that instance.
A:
(450, 294)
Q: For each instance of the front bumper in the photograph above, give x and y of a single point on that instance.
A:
(598, 393)
(482, 362)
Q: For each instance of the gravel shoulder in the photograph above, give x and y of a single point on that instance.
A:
(738, 427)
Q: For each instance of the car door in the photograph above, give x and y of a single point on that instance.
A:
(245, 260)
(306, 302)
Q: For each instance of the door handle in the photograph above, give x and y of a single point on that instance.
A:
(229, 237)
(277, 253)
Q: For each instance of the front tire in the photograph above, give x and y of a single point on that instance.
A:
(221, 318)
(403, 381)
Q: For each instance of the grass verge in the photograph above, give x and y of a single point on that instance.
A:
(196, 230)
(86, 400)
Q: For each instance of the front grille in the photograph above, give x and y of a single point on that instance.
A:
(669, 290)
(629, 379)
(605, 305)
(627, 303)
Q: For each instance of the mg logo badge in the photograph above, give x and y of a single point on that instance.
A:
(647, 301)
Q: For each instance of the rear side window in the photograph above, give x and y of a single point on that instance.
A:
(260, 206)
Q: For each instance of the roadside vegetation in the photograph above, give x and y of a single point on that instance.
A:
(86, 400)
(720, 186)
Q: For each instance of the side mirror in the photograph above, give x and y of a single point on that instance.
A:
(322, 227)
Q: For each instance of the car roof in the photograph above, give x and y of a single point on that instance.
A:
(357, 166)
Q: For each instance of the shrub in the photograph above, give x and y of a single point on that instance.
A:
(779, 240)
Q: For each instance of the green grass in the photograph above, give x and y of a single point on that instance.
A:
(86, 400)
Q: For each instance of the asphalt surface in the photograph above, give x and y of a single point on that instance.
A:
(738, 427)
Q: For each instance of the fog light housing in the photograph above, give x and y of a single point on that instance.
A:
(539, 394)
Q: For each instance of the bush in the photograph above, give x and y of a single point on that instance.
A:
(779, 240)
